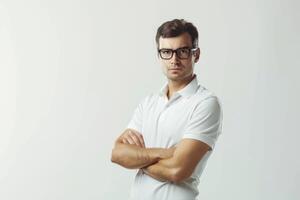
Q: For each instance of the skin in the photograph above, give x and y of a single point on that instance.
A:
(130, 152)
(164, 164)
(178, 79)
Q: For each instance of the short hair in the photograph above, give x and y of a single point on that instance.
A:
(175, 28)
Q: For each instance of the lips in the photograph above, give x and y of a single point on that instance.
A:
(176, 69)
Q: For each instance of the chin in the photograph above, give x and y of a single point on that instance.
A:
(174, 77)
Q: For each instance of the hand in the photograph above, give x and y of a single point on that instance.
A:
(133, 137)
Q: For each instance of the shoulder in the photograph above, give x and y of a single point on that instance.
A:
(149, 100)
(206, 99)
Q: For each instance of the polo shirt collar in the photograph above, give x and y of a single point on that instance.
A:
(188, 90)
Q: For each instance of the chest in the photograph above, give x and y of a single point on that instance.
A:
(165, 122)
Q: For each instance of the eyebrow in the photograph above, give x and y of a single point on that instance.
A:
(184, 47)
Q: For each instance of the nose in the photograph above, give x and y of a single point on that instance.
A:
(174, 58)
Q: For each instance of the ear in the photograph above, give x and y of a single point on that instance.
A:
(197, 55)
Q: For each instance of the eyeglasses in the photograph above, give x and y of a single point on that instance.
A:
(182, 53)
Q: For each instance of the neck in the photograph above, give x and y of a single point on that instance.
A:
(174, 86)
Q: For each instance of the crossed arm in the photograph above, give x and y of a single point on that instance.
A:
(130, 152)
(164, 164)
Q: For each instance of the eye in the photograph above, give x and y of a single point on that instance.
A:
(166, 51)
(184, 51)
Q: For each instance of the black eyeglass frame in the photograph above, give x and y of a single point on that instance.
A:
(176, 51)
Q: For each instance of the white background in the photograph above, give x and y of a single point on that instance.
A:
(72, 72)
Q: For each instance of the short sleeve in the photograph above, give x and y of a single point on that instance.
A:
(205, 123)
(136, 120)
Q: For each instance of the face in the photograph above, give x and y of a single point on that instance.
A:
(176, 69)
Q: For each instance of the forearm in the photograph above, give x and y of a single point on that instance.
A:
(160, 172)
(163, 170)
(134, 157)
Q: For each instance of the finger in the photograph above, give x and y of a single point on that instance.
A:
(129, 139)
(125, 141)
(135, 138)
(141, 139)
(134, 131)
(120, 138)
(139, 136)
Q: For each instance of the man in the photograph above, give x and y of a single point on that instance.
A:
(172, 133)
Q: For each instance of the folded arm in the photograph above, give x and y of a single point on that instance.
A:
(164, 164)
(181, 165)
(133, 154)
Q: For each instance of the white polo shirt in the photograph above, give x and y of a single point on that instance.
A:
(192, 112)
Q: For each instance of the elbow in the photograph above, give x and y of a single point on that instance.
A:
(179, 175)
(119, 158)
(115, 156)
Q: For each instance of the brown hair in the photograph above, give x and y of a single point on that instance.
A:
(175, 28)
